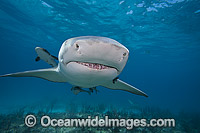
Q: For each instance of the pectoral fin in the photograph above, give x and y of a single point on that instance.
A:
(120, 85)
(37, 58)
(50, 74)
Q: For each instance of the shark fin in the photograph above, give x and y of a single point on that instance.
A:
(120, 85)
(76, 92)
(37, 58)
(50, 74)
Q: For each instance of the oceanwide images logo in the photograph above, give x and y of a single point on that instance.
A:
(46, 121)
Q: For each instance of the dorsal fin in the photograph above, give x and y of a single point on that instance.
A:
(45, 51)
(56, 58)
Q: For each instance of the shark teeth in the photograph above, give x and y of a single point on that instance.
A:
(93, 65)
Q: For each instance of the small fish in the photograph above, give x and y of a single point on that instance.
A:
(77, 90)
(94, 88)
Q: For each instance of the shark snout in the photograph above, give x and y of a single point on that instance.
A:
(94, 51)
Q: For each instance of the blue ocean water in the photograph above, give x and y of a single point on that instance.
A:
(163, 38)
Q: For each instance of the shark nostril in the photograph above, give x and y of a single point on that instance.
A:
(77, 46)
(124, 55)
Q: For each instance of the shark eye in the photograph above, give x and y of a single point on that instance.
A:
(124, 54)
(77, 46)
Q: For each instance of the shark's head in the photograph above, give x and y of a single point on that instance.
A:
(93, 59)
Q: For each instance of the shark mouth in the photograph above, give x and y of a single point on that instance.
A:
(94, 65)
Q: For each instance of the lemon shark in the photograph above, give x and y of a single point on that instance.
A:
(85, 62)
